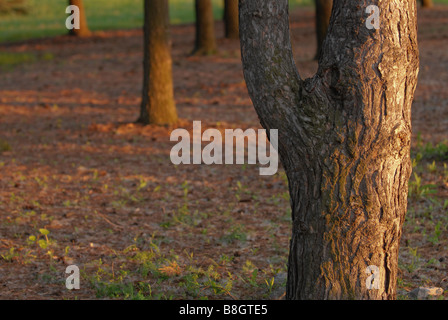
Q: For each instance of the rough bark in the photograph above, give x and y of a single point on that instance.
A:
(323, 14)
(231, 21)
(426, 3)
(344, 140)
(205, 43)
(83, 31)
(158, 106)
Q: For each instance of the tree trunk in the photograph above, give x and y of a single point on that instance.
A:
(16, 6)
(83, 31)
(205, 28)
(231, 22)
(323, 14)
(426, 3)
(158, 106)
(344, 141)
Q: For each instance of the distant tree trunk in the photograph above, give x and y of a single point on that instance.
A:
(323, 14)
(344, 139)
(15, 6)
(83, 31)
(426, 3)
(158, 106)
(231, 21)
(205, 28)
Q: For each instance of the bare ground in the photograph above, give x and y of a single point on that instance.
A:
(138, 226)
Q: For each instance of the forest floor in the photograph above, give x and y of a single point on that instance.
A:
(81, 184)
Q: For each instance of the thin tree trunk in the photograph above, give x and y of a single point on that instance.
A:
(158, 106)
(323, 14)
(427, 3)
(205, 28)
(83, 31)
(344, 141)
(231, 21)
(17, 6)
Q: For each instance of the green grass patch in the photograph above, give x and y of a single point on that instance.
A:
(4, 145)
(9, 60)
(430, 151)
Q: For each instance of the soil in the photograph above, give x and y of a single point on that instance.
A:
(105, 188)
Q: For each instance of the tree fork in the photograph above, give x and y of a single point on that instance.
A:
(344, 140)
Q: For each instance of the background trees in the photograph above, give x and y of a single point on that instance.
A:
(344, 140)
(158, 106)
(83, 31)
(15, 6)
(426, 3)
(231, 20)
(205, 43)
(323, 14)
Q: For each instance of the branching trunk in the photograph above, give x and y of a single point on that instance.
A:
(231, 21)
(205, 28)
(158, 106)
(323, 14)
(344, 140)
(83, 31)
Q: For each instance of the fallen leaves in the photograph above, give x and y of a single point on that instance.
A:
(173, 269)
